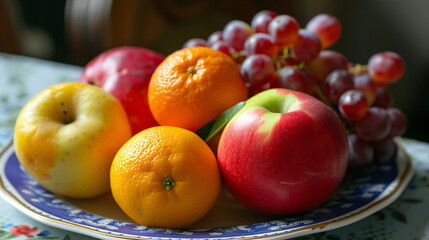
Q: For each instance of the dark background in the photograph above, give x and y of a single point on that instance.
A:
(73, 32)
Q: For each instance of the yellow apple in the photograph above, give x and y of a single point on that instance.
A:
(67, 136)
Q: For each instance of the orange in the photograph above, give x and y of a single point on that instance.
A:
(165, 177)
(193, 86)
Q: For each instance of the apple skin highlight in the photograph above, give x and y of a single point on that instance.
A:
(288, 165)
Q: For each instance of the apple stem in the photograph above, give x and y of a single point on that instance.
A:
(64, 110)
(168, 183)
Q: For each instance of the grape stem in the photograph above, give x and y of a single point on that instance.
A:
(286, 52)
(358, 68)
(278, 64)
(322, 97)
(301, 65)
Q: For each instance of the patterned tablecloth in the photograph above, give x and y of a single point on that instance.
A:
(21, 78)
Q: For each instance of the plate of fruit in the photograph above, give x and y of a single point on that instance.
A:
(257, 132)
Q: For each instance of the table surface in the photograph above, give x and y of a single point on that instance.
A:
(21, 78)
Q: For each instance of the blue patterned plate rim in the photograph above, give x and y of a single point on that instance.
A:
(368, 192)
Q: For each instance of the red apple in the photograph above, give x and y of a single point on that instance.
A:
(125, 73)
(284, 152)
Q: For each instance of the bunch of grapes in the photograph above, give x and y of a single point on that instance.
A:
(275, 52)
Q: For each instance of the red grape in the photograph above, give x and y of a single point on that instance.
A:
(261, 43)
(383, 98)
(361, 153)
(257, 70)
(375, 125)
(291, 78)
(311, 80)
(257, 89)
(336, 83)
(363, 83)
(398, 122)
(284, 30)
(385, 150)
(195, 42)
(235, 34)
(223, 47)
(327, 27)
(353, 105)
(261, 20)
(386, 67)
(287, 62)
(307, 47)
(214, 37)
(328, 61)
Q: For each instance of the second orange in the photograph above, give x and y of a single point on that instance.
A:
(193, 86)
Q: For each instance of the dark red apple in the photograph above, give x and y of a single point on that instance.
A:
(284, 152)
(125, 73)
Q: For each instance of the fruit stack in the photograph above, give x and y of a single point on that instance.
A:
(263, 107)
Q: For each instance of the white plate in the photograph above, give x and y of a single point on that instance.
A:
(359, 196)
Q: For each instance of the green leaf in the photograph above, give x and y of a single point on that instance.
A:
(205, 130)
(223, 119)
(214, 127)
(399, 216)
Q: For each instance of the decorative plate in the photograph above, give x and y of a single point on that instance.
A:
(359, 196)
